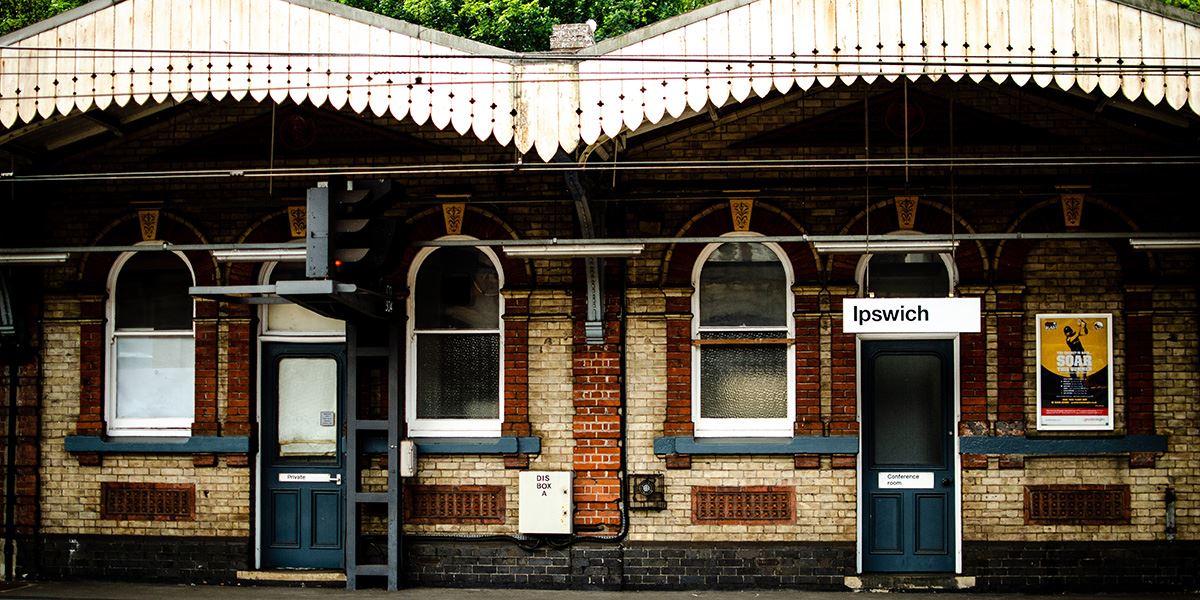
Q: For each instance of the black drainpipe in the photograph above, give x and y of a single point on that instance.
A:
(10, 474)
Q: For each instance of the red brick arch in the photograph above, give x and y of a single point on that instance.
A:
(93, 274)
(1046, 217)
(932, 217)
(680, 259)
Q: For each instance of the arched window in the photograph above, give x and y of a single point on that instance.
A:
(743, 378)
(151, 349)
(906, 275)
(454, 367)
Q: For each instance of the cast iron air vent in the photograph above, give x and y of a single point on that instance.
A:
(646, 492)
(147, 501)
(473, 504)
(1077, 504)
(757, 505)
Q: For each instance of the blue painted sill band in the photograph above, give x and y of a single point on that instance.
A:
(150, 445)
(1061, 446)
(843, 444)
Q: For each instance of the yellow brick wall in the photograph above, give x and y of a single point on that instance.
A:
(1084, 276)
(550, 414)
(825, 501)
(1176, 343)
(70, 494)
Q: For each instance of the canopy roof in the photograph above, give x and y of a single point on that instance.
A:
(116, 52)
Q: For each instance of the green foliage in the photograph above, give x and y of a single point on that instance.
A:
(525, 25)
(1192, 5)
(15, 14)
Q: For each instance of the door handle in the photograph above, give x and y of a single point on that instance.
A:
(337, 479)
(945, 481)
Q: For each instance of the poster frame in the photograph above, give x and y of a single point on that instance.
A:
(1074, 423)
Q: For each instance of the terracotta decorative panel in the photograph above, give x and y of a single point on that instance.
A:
(1077, 504)
(147, 501)
(478, 504)
(759, 505)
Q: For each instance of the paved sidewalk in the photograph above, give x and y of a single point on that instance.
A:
(85, 590)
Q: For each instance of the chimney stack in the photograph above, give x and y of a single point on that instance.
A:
(569, 38)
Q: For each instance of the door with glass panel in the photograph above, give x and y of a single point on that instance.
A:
(908, 475)
(302, 461)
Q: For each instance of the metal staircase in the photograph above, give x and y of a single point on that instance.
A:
(373, 398)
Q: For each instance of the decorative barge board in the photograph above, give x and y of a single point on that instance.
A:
(320, 52)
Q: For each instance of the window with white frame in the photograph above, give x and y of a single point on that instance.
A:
(152, 347)
(292, 321)
(455, 344)
(906, 275)
(743, 379)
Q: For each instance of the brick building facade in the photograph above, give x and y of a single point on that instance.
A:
(756, 418)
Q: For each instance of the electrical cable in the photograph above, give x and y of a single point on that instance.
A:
(995, 162)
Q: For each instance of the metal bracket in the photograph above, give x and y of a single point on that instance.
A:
(593, 327)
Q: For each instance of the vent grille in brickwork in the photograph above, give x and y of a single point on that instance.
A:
(1077, 504)
(743, 505)
(147, 501)
(478, 504)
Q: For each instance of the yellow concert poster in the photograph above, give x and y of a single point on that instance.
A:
(1075, 375)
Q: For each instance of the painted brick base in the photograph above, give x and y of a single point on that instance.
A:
(1083, 566)
(142, 558)
(996, 566)
(738, 566)
(632, 566)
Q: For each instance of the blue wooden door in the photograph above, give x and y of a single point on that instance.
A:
(908, 477)
(302, 459)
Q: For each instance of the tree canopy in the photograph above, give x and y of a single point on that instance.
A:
(524, 25)
(15, 14)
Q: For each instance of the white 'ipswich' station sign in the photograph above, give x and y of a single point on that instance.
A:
(911, 315)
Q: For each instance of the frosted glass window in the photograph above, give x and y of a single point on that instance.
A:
(743, 295)
(743, 382)
(152, 353)
(456, 349)
(154, 377)
(458, 376)
(308, 399)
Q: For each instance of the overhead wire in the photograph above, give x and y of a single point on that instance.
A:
(813, 164)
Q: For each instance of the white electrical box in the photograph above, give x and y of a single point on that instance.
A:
(408, 458)
(545, 502)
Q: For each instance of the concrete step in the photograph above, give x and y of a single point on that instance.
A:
(294, 577)
(908, 582)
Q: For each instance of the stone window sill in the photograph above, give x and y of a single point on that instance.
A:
(497, 445)
(1078, 446)
(689, 445)
(158, 445)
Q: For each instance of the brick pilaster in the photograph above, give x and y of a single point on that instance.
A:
(516, 364)
(1139, 362)
(238, 377)
(596, 395)
(205, 422)
(1010, 361)
(679, 363)
(91, 367)
(808, 368)
(973, 373)
(844, 370)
